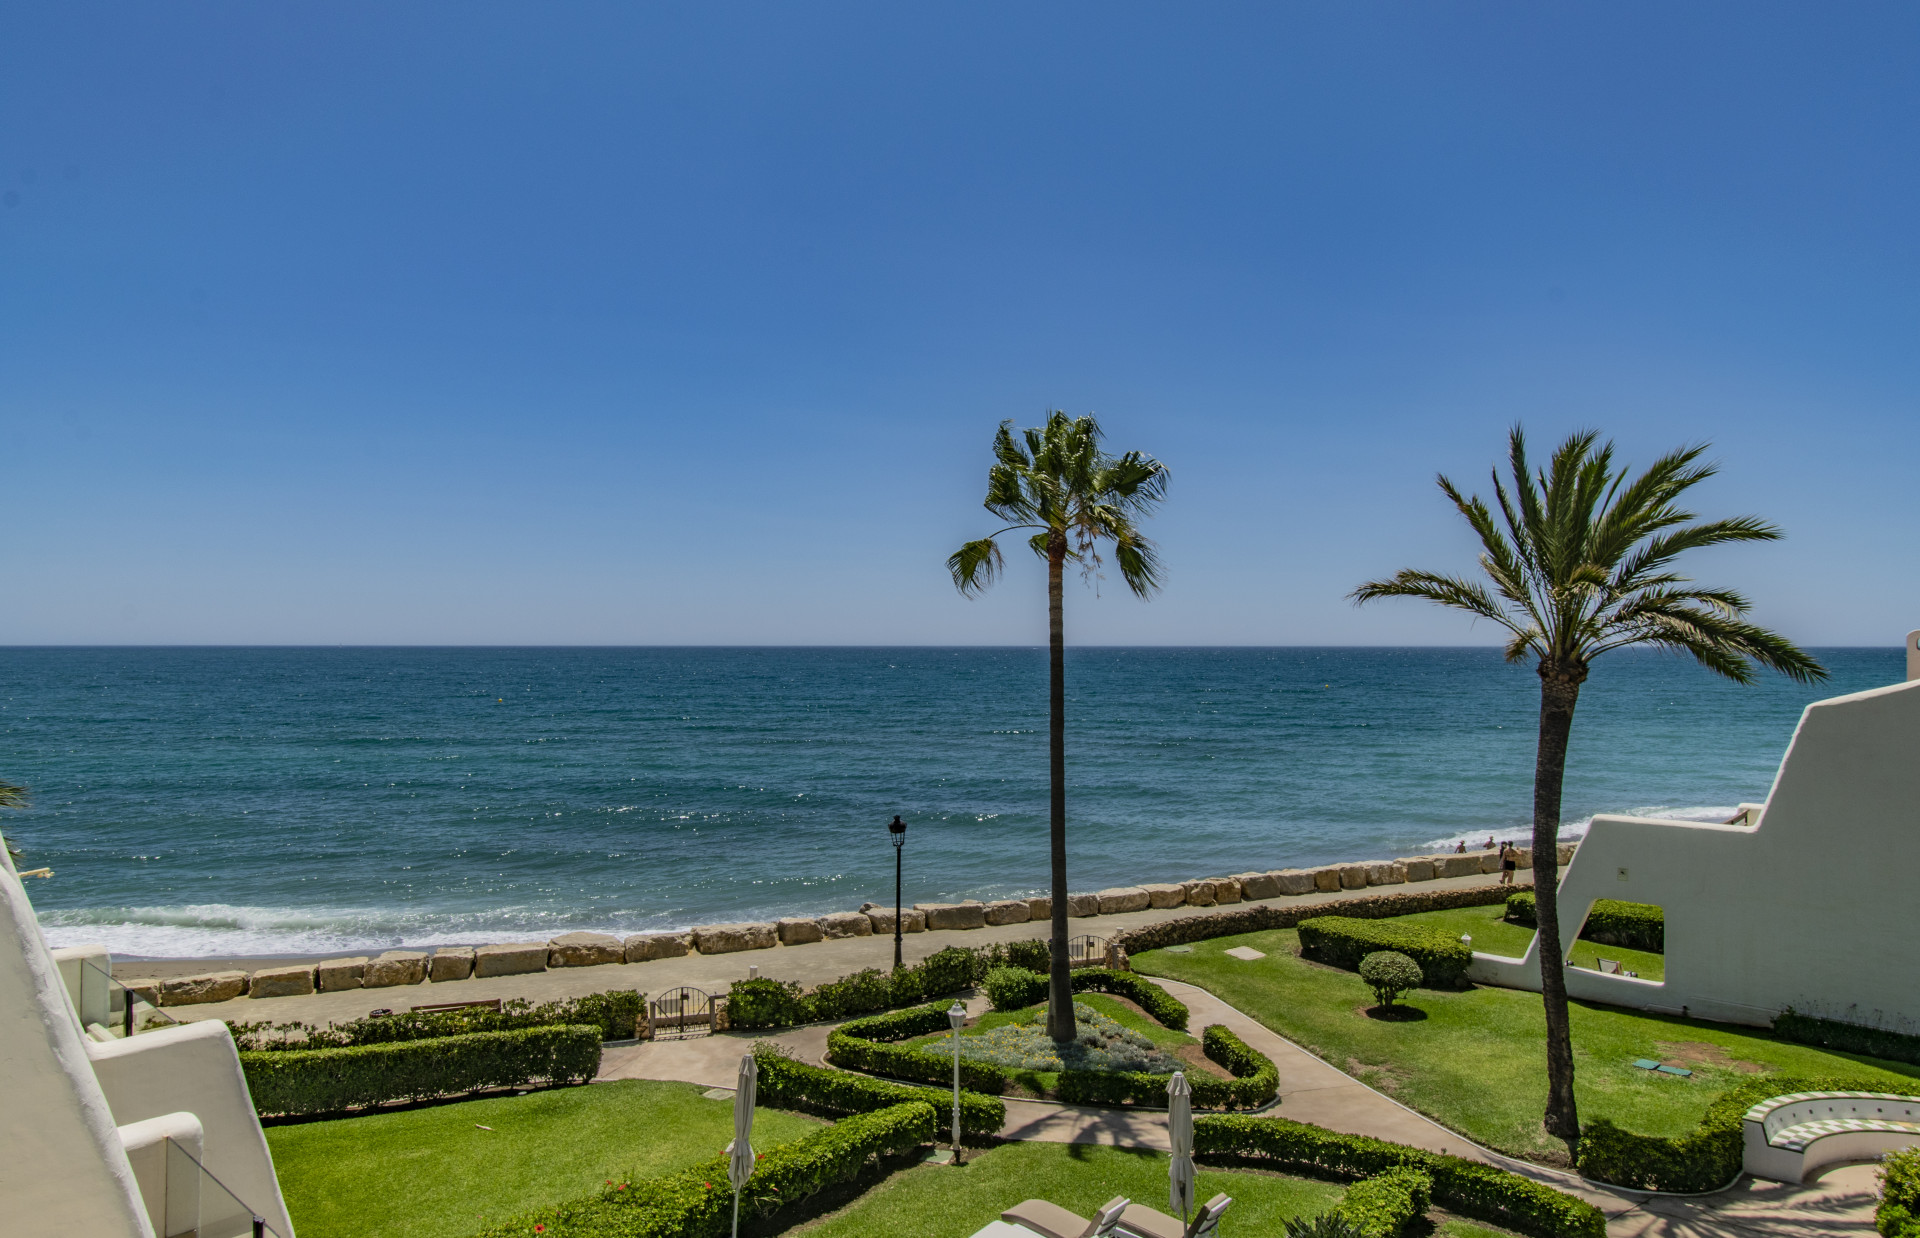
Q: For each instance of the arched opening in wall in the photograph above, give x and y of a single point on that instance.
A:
(1618, 937)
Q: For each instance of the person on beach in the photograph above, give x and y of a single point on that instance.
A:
(1509, 861)
(1462, 848)
(1489, 846)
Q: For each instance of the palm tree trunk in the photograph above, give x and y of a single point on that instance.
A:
(1060, 983)
(1559, 693)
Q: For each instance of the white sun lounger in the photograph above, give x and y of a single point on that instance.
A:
(1050, 1220)
(1140, 1221)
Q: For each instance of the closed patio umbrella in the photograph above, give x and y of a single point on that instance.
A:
(740, 1151)
(1180, 1135)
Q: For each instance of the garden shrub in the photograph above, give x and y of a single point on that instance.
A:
(1706, 1158)
(1256, 1080)
(787, 1083)
(1469, 1188)
(698, 1203)
(1381, 1206)
(309, 1081)
(1634, 926)
(1032, 955)
(1390, 973)
(616, 1013)
(1015, 988)
(1322, 1225)
(761, 1002)
(1878, 1042)
(1166, 1009)
(1343, 941)
(862, 1044)
(783, 1003)
(1898, 1215)
(1261, 918)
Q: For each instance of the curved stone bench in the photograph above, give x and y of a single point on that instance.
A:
(1788, 1137)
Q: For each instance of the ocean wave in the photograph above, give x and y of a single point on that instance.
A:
(1573, 831)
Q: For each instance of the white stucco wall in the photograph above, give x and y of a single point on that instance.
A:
(1811, 903)
(62, 1167)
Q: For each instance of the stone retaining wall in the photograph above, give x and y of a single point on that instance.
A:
(410, 967)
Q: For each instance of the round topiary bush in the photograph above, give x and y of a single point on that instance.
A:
(1390, 973)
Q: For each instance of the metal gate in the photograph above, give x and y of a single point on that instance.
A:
(680, 1014)
(1090, 951)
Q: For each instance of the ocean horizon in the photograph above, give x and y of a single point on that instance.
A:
(206, 801)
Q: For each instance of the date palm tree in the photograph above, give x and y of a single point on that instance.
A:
(1055, 480)
(1580, 562)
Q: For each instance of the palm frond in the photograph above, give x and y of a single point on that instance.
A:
(975, 565)
(12, 796)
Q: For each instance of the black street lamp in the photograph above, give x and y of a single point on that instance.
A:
(898, 829)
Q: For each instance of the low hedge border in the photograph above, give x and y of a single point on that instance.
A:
(763, 1003)
(300, 1082)
(1342, 941)
(1381, 1206)
(1016, 988)
(1806, 1029)
(617, 1013)
(863, 1044)
(1469, 1188)
(1256, 1079)
(1636, 926)
(790, 1084)
(1262, 917)
(1707, 1158)
(698, 1203)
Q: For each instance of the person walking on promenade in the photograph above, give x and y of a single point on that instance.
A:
(1509, 861)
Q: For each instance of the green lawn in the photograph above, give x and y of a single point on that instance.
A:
(1475, 1062)
(933, 1201)
(433, 1173)
(1494, 935)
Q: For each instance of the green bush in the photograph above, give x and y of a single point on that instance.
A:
(1469, 1188)
(1898, 1215)
(789, 1084)
(1381, 1206)
(698, 1203)
(1256, 1080)
(616, 1013)
(862, 1044)
(1322, 1225)
(1706, 1158)
(1390, 973)
(1166, 1009)
(1342, 941)
(783, 1003)
(762, 1002)
(1806, 1029)
(308, 1081)
(1262, 918)
(1635, 926)
(1015, 988)
(1032, 955)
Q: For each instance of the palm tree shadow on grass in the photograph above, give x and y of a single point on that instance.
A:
(1396, 1013)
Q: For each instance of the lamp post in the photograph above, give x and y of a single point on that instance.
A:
(898, 829)
(956, 1015)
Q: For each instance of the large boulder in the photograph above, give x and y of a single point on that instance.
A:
(1009, 911)
(396, 967)
(1467, 865)
(515, 958)
(1386, 873)
(144, 988)
(838, 924)
(1198, 893)
(1326, 878)
(1564, 852)
(912, 920)
(1257, 885)
(336, 974)
(732, 938)
(1293, 880)
(1489, 861)
(1523, 857)
(1225, 890)
(1162, 894)
(1118, 900)
(450, 963)
(585, 950)
(219, 986)
(1040, 908)
(280, 982)
(1353, 876)
(645, 947)
(798, 930)
(1082, 905)
(1419, 867)
(967, 915)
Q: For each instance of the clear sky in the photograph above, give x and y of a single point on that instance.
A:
(636, 324)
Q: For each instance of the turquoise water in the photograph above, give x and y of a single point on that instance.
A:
(229, 801)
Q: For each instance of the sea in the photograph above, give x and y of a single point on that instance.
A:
(228, 802)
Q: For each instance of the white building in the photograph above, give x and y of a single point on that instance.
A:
(150, 1136)
(1808, 900)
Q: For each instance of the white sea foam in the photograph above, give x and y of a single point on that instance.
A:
(1573, 831)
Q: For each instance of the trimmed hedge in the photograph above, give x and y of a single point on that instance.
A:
(698, 1203)
(1898, 1215)
(1636, 926)
(1381, 1206)
(1806, 1029)
(1467, 1187)
(616, 1013)
(308, 1081)
(1706, 1158)
(1256, 1079)
(1015, 988)
(1343, 941)
(783, 1003)
(791, 1084)
(862, 1044)
(1166, 1009)
(1261, 917)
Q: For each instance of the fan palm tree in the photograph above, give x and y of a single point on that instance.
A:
(12, 797)
(1580, 562)
(1056, 481)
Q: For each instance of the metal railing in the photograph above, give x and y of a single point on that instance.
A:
(199, 1205)
(127, 1012)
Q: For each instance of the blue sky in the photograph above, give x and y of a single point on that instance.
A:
(491, 323)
